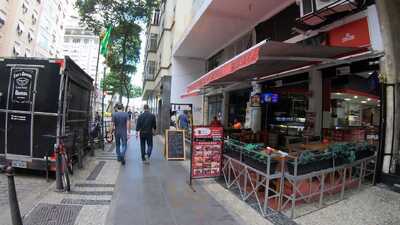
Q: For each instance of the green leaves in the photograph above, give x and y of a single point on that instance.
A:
(123, 52)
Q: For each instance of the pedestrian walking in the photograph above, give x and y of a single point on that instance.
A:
(145, 126)
(122, 126)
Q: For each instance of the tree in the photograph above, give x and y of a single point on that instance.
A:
(113, 85)
(126, 17)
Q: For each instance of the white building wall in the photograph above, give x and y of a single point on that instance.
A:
(184, 71)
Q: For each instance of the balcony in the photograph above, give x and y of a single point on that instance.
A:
(148, 87)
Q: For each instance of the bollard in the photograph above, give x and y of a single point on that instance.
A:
(59, 183)
(12, 197)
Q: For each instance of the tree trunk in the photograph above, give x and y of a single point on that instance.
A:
(389, 16)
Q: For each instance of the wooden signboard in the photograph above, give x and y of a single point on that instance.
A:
(175, 145)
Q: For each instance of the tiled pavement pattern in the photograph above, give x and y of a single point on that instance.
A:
(91, 193)
(159, 194)
(370, 206)
(30, 189)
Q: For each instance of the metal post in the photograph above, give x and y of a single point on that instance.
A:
(59, 183)
(12, 197)
(102, 113)
(95, 78)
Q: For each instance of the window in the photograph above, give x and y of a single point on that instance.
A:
(24, 8)
(151, 69)
(156, 18)
(76, 40)
(34, 20)
(153, 42)
(30, 37)
(86, 41)
(215, 61)
(20, 28)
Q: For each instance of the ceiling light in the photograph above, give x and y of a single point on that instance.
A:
(356, 97)
(347, 99)
(368, 99)
(338, 93)
(363, 102)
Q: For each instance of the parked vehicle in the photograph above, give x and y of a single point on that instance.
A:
(42, 97)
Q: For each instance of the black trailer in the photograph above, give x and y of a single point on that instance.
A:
(42, 97)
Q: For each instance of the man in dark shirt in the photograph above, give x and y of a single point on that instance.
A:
(122, 127)
(146, 124)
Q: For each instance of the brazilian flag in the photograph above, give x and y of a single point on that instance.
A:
(104, 42)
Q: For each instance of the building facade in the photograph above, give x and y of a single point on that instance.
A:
(277, 65)
(165, 29)
(33, 28)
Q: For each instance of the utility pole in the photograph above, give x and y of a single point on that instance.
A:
(388, 11)
(94, 103)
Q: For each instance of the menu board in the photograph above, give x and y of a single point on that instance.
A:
(206, 159)
(175, 145)
(206, 152)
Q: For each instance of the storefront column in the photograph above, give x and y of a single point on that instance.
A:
(205, 110)
(390, 75)
(315, 101)
(165, 119)
(255, 108)
(225, 109)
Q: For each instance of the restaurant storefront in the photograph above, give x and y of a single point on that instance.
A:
(319, 102)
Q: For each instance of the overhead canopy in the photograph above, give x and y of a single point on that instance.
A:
(268, 58)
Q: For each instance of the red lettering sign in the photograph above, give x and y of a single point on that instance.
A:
(354, 34)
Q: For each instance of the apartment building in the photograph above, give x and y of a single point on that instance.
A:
(165, 29)
(33, 28)
(19, 26)
(82, 46)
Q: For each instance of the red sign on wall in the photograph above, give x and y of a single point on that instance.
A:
(354, 34)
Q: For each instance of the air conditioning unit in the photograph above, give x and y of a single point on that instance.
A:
(349, 4)
(307, 7)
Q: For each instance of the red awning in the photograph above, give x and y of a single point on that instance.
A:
(191, 94)
(268, 58)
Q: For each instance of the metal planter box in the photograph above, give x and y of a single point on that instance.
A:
(37, 97)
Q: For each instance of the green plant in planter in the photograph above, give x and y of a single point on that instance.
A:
(363, 146)
(344, 151)
(252, 147)
(306, 157)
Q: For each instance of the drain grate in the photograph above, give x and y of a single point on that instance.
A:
(49, 214)
(94, 185)
(85, 202)
(96, 171)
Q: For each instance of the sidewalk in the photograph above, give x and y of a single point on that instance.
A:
(159, 194)
(90, 197)
(106, 193)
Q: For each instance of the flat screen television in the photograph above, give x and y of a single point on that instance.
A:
(269, 97)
